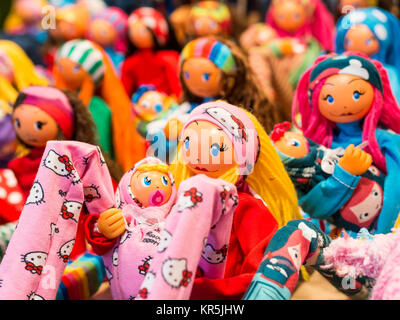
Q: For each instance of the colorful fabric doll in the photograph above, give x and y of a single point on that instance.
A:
(364, 111)
(372, 31)
(25, 18)
(127, 235)
(146, 61)
(212, 68)
(280, 51)
(309, 164)
(39, 250)
(109, 29)
(231, 152)
(209, 18)
(150, 105)
(72, 22)
(376, 257)
(83, 67)
(18, 71)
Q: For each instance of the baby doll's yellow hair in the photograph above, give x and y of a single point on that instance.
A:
(25, 74)
(269, 178)
(160, 167)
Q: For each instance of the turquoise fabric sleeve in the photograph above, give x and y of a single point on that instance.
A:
(328, 196)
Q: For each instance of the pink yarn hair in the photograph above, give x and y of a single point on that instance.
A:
(378, 258)
(320, 25)
(384, 112)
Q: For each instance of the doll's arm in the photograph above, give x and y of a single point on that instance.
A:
(250, 217)
(99, 243)
(328, 196)
(291, 246)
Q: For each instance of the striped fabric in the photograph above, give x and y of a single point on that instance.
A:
(82, 278)
(84, 53)
(211, 49)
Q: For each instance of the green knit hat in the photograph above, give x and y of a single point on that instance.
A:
(84, 53)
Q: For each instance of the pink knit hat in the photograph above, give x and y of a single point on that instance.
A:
(236, 125)
(55, 103)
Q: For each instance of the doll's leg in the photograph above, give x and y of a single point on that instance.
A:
(43, 240)
(203, 204)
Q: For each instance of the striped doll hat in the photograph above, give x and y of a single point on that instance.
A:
(211, 49)
(86, 55)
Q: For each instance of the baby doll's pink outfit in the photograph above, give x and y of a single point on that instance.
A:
(129, 259)
(72, 175)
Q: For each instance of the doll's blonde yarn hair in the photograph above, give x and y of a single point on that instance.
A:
(25, 74)
(159, 167)
(269, 179)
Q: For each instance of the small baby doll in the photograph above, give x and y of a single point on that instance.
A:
(148, 105)
(310, 164)
(128, 235)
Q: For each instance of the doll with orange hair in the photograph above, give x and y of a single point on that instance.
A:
(83, 67)
(147, 62)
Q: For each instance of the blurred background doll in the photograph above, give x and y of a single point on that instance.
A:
(108, 28)
(148, 104)
(280, 51)
(210, 69)
(372, 31)
(26, 17)
(259, 177)
(149, 59)
(209, 18)
(18, 71)
(83, 67)
(345, 100)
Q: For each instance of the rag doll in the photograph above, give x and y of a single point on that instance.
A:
(280, 51)
(212, 68)
(345, 100)
(372, 31)
(109, 29)
(222, 141)
(83, 67)
(309, 164)
(149, 59)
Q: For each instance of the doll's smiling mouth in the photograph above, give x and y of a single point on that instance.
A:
(204, 169)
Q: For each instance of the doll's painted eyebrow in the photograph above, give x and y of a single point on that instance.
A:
(331, 84)
(354, 80)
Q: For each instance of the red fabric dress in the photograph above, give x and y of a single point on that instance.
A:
(253, 226)
(159, 68)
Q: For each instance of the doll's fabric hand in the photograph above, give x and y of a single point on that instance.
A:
(173, 128)
(111, 223)
(355, 160)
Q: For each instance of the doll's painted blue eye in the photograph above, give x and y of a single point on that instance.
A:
(214, 150)
(368, 42)
(356, 95)
(206, 76)
(187, 75)
(38, 125)
(330, 99)
(164, 180)
(294, 143)
(158, 107)
(18, 123)
(146, 181)
(77, 68)
(186, 143)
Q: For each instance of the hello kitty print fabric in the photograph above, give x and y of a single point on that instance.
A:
(43, 240)
(194, 239)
